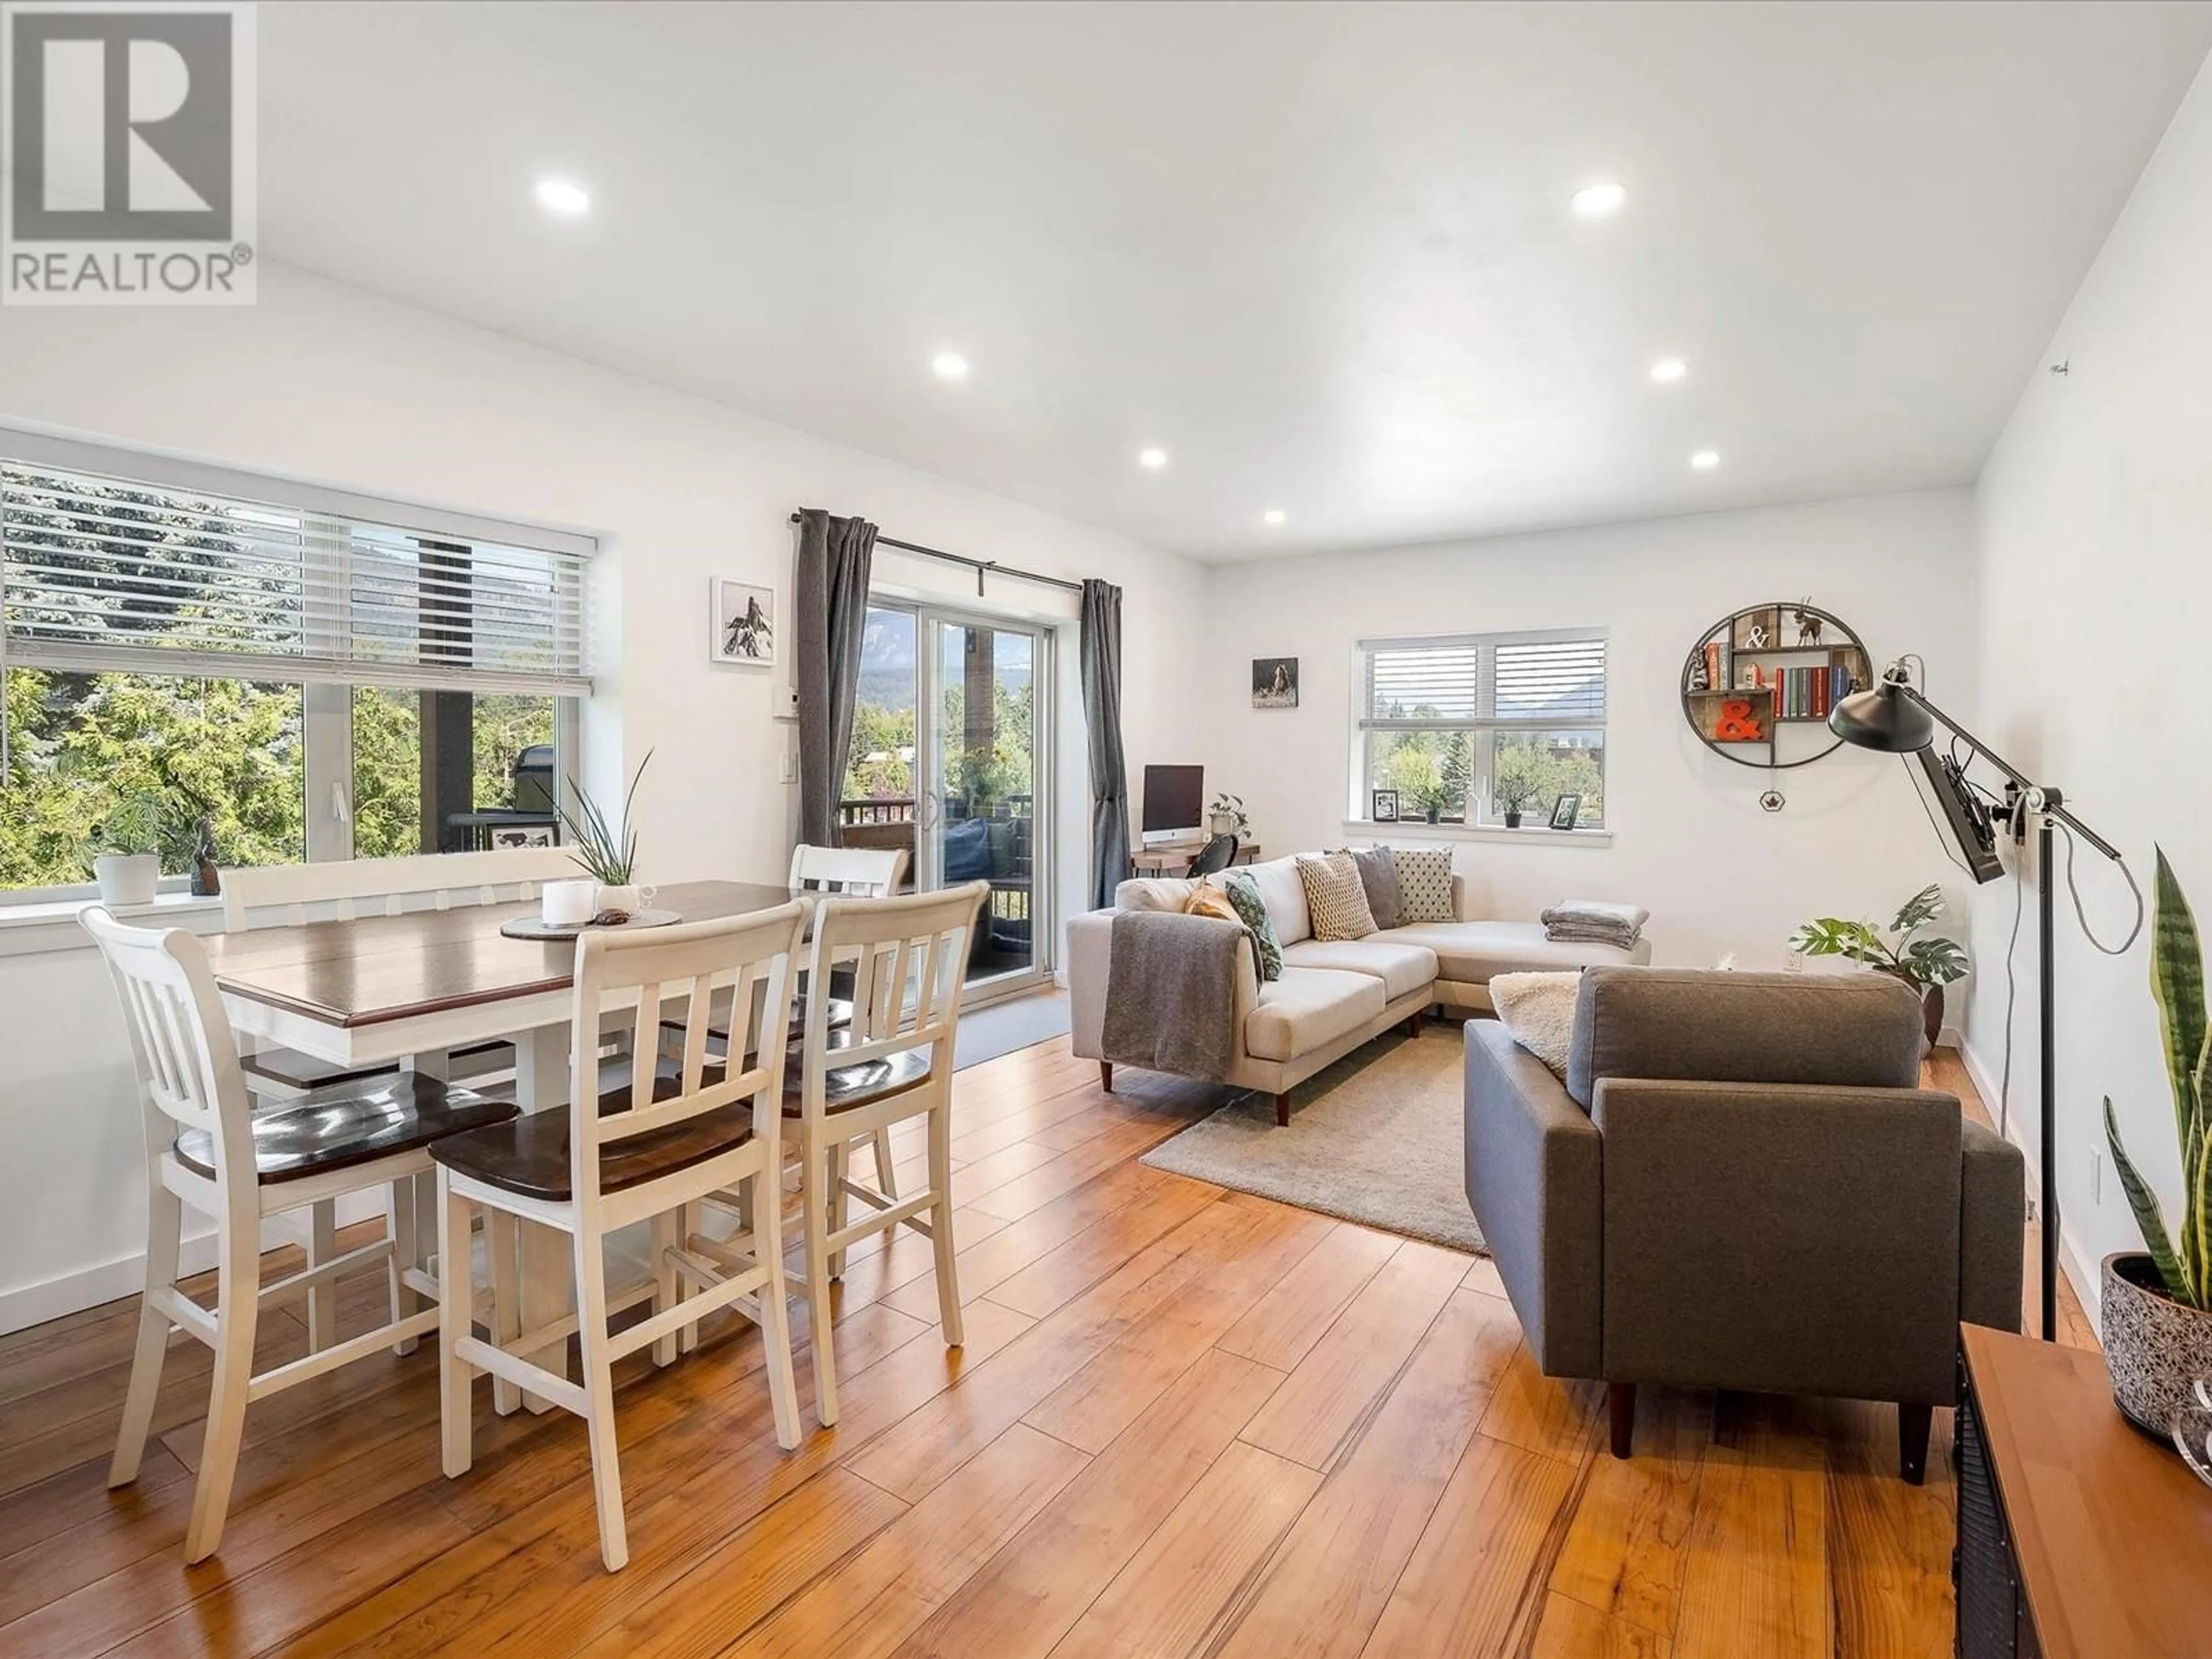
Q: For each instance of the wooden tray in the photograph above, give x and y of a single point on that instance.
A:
(537, 927)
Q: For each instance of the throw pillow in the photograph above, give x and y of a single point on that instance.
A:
(1252, 911)
(1538, 1012)
(1378, 875)
(1208, 900)
(1425, 876)
(1334, 897)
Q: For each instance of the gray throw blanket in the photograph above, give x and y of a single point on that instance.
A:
(1171, 992)
(1590, 921)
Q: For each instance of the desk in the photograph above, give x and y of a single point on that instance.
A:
(2080, 1537)
(1173, 858)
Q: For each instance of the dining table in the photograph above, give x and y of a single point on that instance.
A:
(411, 988)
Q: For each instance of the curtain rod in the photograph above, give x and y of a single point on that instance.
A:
(982, 568)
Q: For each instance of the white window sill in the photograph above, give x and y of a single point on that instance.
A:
(48, 924)
(1539, 834)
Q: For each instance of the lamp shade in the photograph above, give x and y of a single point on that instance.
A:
(1883, 717)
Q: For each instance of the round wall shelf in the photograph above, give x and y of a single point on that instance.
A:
(1757, 686)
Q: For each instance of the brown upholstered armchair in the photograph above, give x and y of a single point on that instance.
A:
(1741, 1185)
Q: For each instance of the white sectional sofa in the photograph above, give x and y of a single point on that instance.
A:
(1334, 996)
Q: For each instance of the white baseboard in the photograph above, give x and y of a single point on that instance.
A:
(2071, 1263)
(107, 1281)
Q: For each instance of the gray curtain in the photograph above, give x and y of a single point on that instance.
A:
(830, 615)
(1102, 712)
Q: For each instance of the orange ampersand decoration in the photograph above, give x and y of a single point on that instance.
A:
(1737, 723)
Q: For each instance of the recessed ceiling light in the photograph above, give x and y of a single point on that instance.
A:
(1151, 460)
(949, 366)
(1668, 369)
(560, 196)
(1596, 201)
(1705, 459)
(1273, 515)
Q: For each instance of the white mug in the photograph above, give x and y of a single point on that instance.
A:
(569, 903)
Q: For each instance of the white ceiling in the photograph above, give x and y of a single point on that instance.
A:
(1321, 253)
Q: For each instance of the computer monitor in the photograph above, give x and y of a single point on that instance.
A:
(1175, 803)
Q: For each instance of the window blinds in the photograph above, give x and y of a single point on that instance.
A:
(99, 573)
(1478, 680)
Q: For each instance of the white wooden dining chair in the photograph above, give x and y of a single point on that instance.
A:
(291, 894)
(855, 872)
(206, 1148)
(651, 1148)
(907, 957)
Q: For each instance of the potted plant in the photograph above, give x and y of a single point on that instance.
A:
(1926, 965)
(1426, 795)
(1227, 816)
(2157, 1302)
(1516, 782)
(127, 849)
(607, 851)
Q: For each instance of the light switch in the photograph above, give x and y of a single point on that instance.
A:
(787, 767)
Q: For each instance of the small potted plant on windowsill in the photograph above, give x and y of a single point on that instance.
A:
(1925, 964)
(2156, 1305)
(126, 858)
(1517, 782)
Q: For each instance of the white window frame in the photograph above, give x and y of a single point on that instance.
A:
(1482, 818)
(326, 697)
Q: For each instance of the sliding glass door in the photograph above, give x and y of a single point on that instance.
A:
(950, 759)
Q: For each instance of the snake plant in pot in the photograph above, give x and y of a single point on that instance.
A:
(2157, 1302)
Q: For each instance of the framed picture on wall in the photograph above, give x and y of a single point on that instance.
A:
(1274, 682)
(743, 623)
(1386, 806)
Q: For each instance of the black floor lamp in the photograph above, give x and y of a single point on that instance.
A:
(1894, 718)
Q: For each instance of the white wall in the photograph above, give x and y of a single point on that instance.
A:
(1689, 840)
(324, 383)
(2094, 525)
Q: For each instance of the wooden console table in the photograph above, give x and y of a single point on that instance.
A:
(2079, 1536)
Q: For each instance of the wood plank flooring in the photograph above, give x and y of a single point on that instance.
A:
(1186, 1422)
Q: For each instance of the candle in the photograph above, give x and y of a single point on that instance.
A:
(569, 903)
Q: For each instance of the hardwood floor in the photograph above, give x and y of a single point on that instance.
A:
(1186, 1422)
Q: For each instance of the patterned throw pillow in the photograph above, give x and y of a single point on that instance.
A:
(1424, 884)
(1335, 896)
(1245, 894)
(1209, 901)
(1378, 874)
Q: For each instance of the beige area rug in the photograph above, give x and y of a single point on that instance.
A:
(1374, 1139)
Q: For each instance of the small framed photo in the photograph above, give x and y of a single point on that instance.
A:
(1274, 682)
(505, 837)
(1385, 808)
(1565, 810)
(743, 622)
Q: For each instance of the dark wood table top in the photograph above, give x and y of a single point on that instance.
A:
(384, 968)
(2111, 1534)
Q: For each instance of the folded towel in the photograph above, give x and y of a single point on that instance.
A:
(1593, 921)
